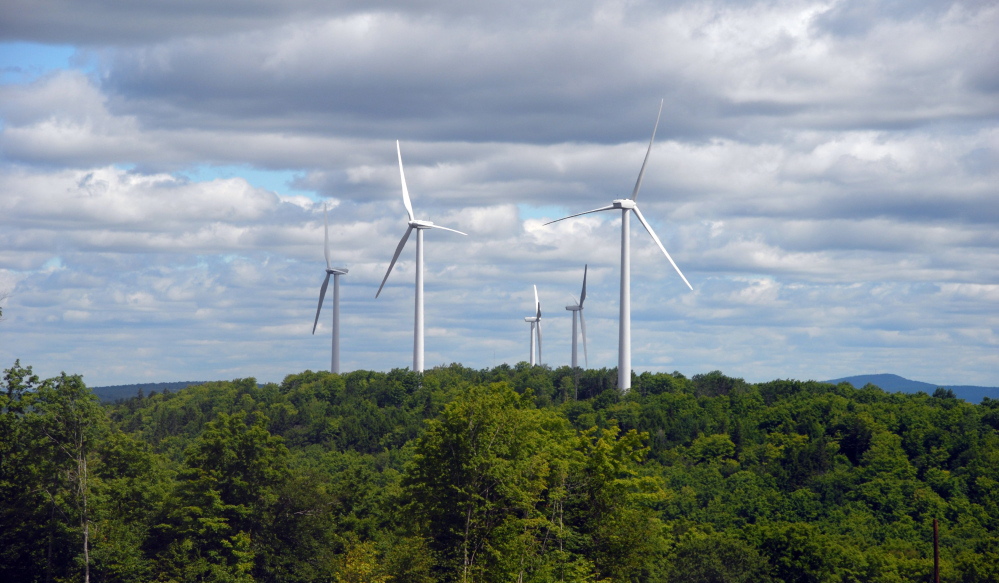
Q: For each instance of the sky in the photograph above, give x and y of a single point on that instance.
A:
(825, 173)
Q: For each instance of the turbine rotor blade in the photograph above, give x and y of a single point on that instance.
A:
(648, 228)
(322, 294)
(326, 240)
(537, 304)
(582, 325)
(641, 174)
(582, 295)
(448, 229)
(405, 191)
(603, 208)
(395, 258)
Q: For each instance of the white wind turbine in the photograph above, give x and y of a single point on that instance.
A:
(336, 272)
(625, 205)
(535, 321)
(419, 225)
(577, 308)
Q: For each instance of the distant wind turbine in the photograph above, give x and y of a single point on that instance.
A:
(577, 308)
(419, 225)
(625, 205)
(336, 272)
(535, 321)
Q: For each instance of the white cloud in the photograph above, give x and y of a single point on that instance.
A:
(824, 174)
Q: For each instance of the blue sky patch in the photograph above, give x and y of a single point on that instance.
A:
(279, 181)
(23, 62)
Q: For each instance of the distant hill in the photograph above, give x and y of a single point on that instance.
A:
(894, 383)
(113, 393)
(889, 382)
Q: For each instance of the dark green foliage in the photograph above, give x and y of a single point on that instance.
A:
(710, 557)
(513, 473)
(23, 550)
(54, 437)
(223, 504)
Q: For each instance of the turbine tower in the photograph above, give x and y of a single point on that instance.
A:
(535, 321)
(577, 308)
(418, 225)
(626, 206)
(336, 272)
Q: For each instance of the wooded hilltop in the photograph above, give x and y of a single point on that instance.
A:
(519, 473)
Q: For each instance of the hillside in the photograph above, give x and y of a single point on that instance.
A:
(111, 393)
(496, 475)
(891, 382)
(888, 382)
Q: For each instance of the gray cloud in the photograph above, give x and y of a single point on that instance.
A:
(824, 174)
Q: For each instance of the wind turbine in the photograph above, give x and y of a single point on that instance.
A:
(336, 272)
(627, 205)
(535, 321)
(419, 225)
(577, 308)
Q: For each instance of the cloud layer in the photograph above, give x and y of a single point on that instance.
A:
(825, 174)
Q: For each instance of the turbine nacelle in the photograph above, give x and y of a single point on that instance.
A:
(337, 271)
(421, 224)
(624, 203)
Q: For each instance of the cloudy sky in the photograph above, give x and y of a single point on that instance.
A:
(826, 175)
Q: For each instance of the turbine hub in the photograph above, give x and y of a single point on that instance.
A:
(421, 224)
(624, 203)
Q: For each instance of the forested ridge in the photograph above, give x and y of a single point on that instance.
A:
(507, 474)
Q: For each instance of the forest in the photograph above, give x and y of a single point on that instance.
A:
(513, 474)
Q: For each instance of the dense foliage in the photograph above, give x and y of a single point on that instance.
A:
(510, 474)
